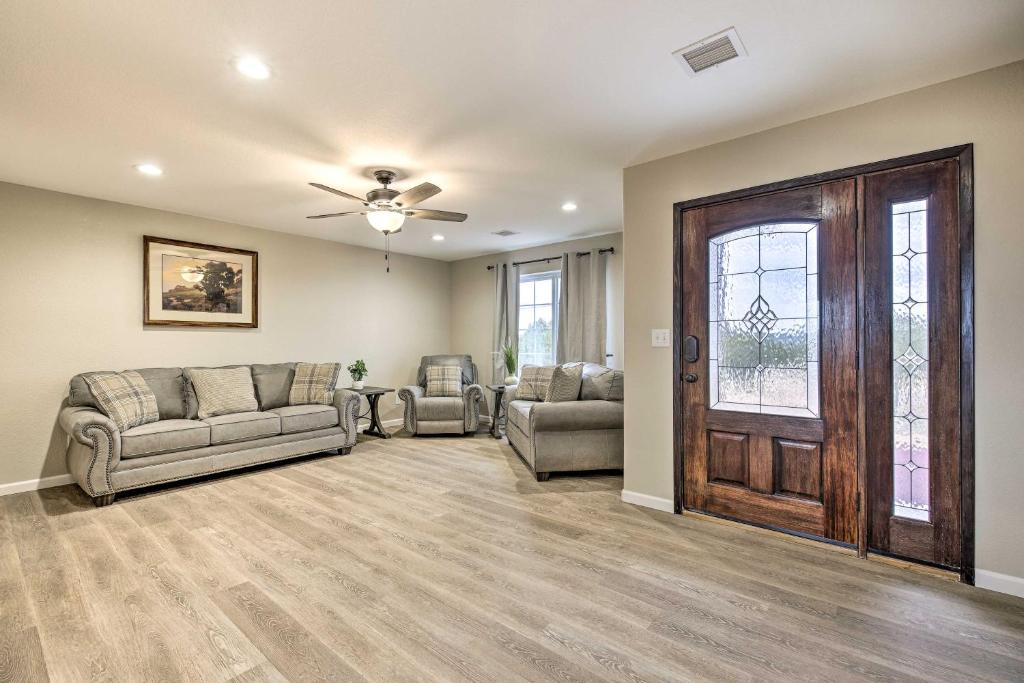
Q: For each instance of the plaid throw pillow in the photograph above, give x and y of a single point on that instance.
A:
(124, 397)
(444, 380)
(314, 383)
(223, 391)
(565, 383)
(533, 382)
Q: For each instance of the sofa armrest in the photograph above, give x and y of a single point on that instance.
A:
(472, 394)
(347, 403)
(510, 393)
(409, 394)
(570, 416)
(95, 448)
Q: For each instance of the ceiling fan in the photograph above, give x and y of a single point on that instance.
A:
(387, 209)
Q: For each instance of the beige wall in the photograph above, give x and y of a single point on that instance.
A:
(473, 297)
(986, 109)
(71, 300)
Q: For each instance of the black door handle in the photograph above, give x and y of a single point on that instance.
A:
(690, 377)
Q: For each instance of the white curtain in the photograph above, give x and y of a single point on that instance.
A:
(506, 317)
(582, 308)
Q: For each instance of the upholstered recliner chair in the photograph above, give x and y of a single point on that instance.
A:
(443, 414)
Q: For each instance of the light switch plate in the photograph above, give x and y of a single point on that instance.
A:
(660, 338)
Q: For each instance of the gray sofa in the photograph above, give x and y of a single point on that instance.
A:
(105, 461)
(443, 414)
(570, 436)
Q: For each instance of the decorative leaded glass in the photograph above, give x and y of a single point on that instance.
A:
(910, 359)
(763, 319)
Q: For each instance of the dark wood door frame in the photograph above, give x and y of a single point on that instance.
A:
(964, 154)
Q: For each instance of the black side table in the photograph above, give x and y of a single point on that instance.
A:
(499, 393)
(373, 395)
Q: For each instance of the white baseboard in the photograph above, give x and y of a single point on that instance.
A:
(644, 500)
(1002, 583)
(35, 484)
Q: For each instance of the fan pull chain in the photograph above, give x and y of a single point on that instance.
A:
(387, 251)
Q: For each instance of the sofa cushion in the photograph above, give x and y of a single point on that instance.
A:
(519, 414)
(223, 391)
(164, 436)
(167, 384)
(314, 384)
(124, 397)
(273, 382)
(464, 361)
(243, 426)
(577, 416)
(565, 383)
(191, 401)
(306, 418)
(436, 408)
(533, 382)
(444, 380)
(601, 383)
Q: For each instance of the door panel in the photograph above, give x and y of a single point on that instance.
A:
(769, 408)
(912, 328)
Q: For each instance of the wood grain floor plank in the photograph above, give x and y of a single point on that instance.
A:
(443, 559)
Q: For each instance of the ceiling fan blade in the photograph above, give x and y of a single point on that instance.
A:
(333, 215)
(435, 215)
(421, 192)
(346, 195)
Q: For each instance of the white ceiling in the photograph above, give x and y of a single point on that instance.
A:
(512, 107)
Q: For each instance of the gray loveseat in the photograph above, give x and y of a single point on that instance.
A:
(570, 436)
(105, 461)
(443, 414)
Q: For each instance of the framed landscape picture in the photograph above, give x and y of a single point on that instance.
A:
(190, 284)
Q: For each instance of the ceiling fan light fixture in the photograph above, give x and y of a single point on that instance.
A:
(569, 207)
(386, 221)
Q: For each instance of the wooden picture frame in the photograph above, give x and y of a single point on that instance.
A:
(189, 284)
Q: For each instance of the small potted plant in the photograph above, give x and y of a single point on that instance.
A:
(358, 372)
(511, 359)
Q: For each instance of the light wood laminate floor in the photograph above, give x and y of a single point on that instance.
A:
(442, 559)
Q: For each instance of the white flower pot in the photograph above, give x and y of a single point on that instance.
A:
(357, 384)
(511, 379)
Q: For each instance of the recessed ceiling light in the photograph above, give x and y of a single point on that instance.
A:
(438, 238)
(252, 68)
(149, 169)
(569, 206)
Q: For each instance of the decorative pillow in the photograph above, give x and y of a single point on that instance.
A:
(222, 391)
(601, 383)
(124, 397)
(565, 383)
(314, 383)
(533, 382)
(444, 380)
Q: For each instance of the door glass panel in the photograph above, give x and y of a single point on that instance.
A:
(763, 318)
(910, 360)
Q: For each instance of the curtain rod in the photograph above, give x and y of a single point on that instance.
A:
(609, 250)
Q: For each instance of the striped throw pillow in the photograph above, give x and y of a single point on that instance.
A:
(124, 397)
(533, 382)
(314, 383)
(565, 383)
(222, 391)
(444, 380)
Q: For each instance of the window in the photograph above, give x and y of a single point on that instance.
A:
(763, 336)
(538, 318)
(910, 359)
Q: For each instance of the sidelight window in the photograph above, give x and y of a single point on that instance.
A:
(763, 319)
(910, 359)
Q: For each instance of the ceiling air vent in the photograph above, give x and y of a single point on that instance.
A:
(505, 233)
(711, 51)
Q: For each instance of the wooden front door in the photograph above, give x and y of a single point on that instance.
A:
(769, 397)
(912, 329)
